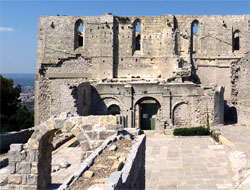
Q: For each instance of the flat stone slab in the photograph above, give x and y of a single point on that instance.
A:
(238, 135)
(71, 155)
(186, 163)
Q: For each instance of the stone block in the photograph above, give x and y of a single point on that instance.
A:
(33, 155)
(100, 180)
(77, 120)
(33, 144)
(114, 178)
(113, 157)
(81, 137)
(88, 174)
(14, 156)
(32, 179)
(16, 147)
(117, 166)
(15, 179)
(43, 128)
(59, 123)
(100, 166)
(50, 124)
(85, 146)
(24, 179)
(105, 134)
(13, 187)
(108, 120)
(113, 127)
(97, 186)
(93, 135)
(113, 148)
(23, 167)
(87, 127)
(76, 130)
(90, 120)
(28, 187)
(68, 125)
(12, 167)
(34, 168)
(95, 144)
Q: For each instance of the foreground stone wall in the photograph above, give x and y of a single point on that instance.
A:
(30, 163)
(8, 138)
(132, 176)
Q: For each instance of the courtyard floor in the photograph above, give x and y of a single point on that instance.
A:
(190, 163)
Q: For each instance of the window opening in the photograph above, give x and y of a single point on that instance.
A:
(138, 36)
(236, 40)
(195, 28)
(79, 31)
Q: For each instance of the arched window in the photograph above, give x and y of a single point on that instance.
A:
(79, 32)
(236, 40)
(114, 110)
(194, 36)
(137, 35)
(195, 27)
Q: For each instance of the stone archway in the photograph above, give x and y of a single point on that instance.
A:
(182, 115)
(31, 162)
(146, 113)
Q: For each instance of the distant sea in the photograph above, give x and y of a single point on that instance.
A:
(22, 79)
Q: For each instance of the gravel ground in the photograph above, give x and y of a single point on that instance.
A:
(102, 173)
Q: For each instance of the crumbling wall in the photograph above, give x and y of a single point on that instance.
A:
(30, 163)
(170, 51)
(60, 95)
(242, 100)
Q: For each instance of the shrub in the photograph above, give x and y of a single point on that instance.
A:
(194, 131)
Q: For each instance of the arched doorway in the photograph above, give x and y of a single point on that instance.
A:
(114, 110)
(146, 112)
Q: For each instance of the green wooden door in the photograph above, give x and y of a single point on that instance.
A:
(148, 114)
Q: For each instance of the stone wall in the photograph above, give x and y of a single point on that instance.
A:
(8, 138)
(132, 176)
(30, 163)
(171, 51)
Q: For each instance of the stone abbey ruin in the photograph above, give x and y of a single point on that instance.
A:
(103, 78)
(160, 72)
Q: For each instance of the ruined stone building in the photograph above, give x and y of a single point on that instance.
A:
(160, 72)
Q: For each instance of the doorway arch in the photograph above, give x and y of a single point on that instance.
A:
(147, 110)
(113, 110)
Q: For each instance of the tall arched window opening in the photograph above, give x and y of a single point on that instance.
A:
(79, 32)
(137, 35)
(194, 36)
(236, 40)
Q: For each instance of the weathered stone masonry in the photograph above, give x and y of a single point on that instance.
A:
(30, 163)
(175, 61)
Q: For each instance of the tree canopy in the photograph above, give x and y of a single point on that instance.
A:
(13, 115)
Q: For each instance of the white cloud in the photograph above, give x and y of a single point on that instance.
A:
(6, 29)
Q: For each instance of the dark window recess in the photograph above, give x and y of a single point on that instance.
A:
(137, 35)
(80, 35)
(138, 42)
(79, 32)
(236, 41)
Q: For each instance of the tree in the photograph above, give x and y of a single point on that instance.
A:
(13, 115)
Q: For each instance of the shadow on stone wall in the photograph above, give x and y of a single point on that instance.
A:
(98, 105)
(230, 114)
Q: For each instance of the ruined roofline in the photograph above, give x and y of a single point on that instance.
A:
(178, 15)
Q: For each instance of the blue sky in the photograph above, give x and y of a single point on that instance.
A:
(18, 20)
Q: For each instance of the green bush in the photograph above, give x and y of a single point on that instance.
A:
(194, 131)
